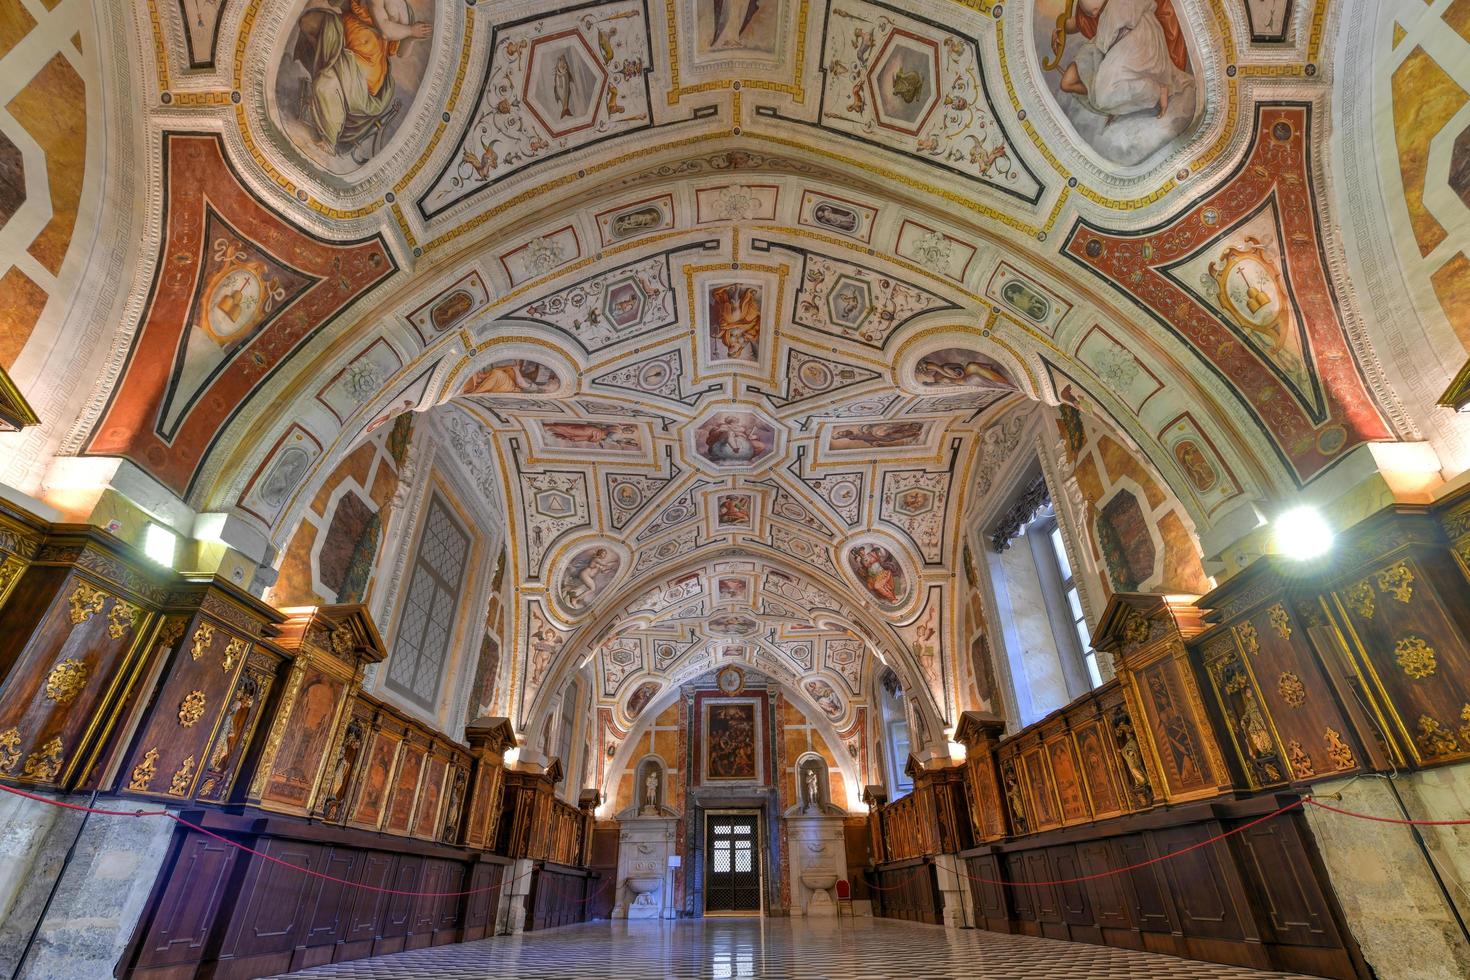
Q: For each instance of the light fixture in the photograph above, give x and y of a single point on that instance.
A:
(512, 755)
(957, 751)
(1302, 533)
(160, 544)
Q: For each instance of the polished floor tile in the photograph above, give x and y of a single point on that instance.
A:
(732, 949)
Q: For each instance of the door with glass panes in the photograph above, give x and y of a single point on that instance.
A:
(732, 863)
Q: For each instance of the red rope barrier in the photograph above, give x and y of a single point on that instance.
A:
(1406, 823)
(250, 850)
(83, 809)
(598, 890)
(341, 881)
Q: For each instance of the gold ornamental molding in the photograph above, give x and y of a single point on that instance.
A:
(1338, 750)
(15, 411)
(191, 709)
(44, 764)
(203, 636)
(66, 681)
(1396, 580)
(179, 785)
(1291, 689)
(144, 772)
(9, 749)
(86, 601)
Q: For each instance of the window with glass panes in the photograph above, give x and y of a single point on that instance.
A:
(416, 668)
(1074, 605)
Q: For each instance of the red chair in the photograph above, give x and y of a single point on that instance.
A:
(844, 897)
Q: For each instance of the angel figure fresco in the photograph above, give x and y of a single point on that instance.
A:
(586, 576)
(736, 439)
(735, 321)
(1134, 57)
(878, 571)
(347, 48)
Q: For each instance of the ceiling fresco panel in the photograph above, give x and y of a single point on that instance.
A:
(240, 302)
(1273, 329)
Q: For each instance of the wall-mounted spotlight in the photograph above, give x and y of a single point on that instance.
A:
(1302, 533)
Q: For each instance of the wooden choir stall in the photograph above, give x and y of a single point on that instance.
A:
(298, 794)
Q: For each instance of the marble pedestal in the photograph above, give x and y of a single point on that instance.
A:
(644, 884)
(818, 856)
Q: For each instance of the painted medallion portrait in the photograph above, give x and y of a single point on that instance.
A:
(349, 76)
(880, 573)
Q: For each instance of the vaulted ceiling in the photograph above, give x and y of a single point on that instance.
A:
(728, 306)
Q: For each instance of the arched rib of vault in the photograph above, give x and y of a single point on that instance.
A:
(456, 354)
(853, 616)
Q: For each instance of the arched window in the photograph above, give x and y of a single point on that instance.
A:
(895, 734)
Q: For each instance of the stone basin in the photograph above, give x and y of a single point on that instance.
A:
(819, 879)
(642, 885)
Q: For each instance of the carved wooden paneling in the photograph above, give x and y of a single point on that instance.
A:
(1258, 899)
(206, 700)
(74, 639)
(1146, 634)
(1405, 619)
(220, 912)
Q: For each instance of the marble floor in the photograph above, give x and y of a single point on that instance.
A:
(727, 948)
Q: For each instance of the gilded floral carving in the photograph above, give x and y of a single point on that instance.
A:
(122, 618)
(1291, 689)
(1301, 763)
(1280, 621)
(9, 749)
(1434, 739)
(233, 652)
(144, 772)
(1465, 728)
(1396, 580)
(203, 636)
(66, 680)
(179, 785)
(343, 639)
(191, 709)
(172, 630)
(1360, 599)
(1415, 656)
(1250, 641)
(45, 762)
(1338, 751)
(86, 601)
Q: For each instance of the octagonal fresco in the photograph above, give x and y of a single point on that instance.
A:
(902, 82)
(565, 83)
(734, 439)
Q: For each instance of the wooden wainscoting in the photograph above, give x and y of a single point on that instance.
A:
(560, 895)
(221, 912)
(1259, 899)
(907, 890)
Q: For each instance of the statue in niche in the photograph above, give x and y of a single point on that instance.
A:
(813, 790)
(650, 791)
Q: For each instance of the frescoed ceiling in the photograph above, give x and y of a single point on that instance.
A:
(735, 297)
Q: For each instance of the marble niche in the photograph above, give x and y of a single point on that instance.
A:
(815, 842)
(646, 842)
